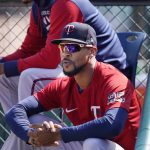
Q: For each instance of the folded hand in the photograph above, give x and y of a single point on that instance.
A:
(46, 134)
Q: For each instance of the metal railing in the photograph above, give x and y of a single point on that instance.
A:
(143, 142)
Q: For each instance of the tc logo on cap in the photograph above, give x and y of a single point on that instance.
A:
(69, 28)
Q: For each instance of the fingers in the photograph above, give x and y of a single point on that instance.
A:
(46, 125)
(50, 125)
(36, 143)
(57, 126)
(34, 133)
(31, 141)
(40, 134)
(56, 143)
(35, 126)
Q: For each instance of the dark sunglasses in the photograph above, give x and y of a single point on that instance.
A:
(72, 47)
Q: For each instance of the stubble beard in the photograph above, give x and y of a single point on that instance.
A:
(75, 71)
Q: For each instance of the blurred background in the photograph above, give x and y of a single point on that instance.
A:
(124, 16)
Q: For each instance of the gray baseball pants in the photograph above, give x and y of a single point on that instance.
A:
(14, 89)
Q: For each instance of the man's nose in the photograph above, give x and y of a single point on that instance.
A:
(65, 54)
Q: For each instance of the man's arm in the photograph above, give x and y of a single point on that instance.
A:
(44, 100)
(106, 127)
(32, 43)
(17, 116)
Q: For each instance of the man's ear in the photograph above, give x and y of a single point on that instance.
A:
(93, 51)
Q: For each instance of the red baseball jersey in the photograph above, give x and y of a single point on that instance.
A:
(108, 89)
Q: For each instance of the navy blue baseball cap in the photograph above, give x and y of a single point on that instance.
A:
(78, 32)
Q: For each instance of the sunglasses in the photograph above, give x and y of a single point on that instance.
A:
(72, 47)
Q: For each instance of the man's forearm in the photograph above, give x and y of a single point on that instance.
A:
(17, 117)
(105, 127)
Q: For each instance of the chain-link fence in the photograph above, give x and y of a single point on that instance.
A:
(14, 22)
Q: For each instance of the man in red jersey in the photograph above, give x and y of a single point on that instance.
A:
(98, 99)
(36, 62)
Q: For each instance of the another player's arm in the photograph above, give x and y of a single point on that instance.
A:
(33, 42)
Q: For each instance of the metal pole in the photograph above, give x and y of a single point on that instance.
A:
(143, 140)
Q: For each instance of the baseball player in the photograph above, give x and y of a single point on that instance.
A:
(98, 99)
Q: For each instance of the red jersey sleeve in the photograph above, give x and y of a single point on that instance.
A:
(32, 44)
(62, 13)
(119, 93)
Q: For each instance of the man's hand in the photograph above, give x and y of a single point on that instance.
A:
(26, 1)
(1, 68)
(47, 134)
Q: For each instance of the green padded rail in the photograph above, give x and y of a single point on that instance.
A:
(143, 140)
